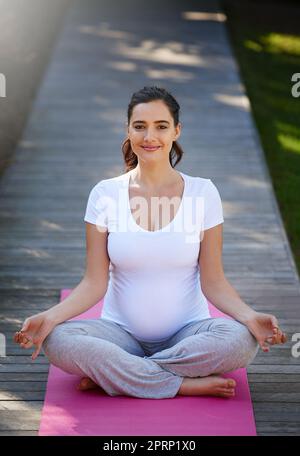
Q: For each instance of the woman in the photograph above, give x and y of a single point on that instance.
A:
(155, 337)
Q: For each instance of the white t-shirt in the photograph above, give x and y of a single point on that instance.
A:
(154, 285)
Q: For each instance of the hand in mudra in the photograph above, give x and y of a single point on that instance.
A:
(34, 331)
(265, 329)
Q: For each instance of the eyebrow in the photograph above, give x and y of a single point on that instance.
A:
(156, 121)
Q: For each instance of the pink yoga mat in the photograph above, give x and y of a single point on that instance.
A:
(69, 412)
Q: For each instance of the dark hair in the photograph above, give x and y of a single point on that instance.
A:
(146, 95)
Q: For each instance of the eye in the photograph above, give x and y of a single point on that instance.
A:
(138, 127)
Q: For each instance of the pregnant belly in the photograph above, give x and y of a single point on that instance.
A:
(153, 315)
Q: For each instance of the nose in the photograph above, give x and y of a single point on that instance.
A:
(149, 134)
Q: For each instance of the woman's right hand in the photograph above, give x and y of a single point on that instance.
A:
(34, 331)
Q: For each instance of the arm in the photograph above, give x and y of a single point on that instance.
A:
(94, 284)
(84, 296)
(90, 290)
(214, 284)
(225, 298)
(219, 291)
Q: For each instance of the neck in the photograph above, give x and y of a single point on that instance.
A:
(154, 177)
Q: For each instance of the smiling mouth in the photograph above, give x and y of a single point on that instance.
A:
(150, 148)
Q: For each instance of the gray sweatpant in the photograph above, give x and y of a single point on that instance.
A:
(123, 365)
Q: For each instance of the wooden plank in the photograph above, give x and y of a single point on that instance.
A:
(278, 428)
(15, 404)
(285, 378)
(277, 411)
(24, 367)
(19, 433)
(17, 386)
(274, 369)
(276, 397)
(273, 387)
(22, 395)
(23, 376)
(12, 420)
(24, 359)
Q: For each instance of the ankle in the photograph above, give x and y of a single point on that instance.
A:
(186, 386)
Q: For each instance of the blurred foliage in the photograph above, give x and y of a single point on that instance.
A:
(268, 57)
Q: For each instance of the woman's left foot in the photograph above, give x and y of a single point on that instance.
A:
(87, 383)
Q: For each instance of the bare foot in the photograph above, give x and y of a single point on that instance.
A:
(87, 383)
(212, 385)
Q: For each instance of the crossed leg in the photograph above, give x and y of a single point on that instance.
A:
(113, 359)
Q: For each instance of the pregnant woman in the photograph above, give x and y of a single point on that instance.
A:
(154, 253)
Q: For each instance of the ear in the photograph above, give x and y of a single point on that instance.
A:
(177, 131)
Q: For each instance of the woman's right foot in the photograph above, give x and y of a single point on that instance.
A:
(87, 383)
(212, 385)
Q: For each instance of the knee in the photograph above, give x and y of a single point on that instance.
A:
(247, 346)
(52, 340)
(243, 346)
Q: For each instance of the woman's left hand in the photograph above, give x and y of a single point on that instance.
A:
(265, 329)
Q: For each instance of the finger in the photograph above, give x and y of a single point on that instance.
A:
(25, 341)
(24, 337)
(27, 344)
(272, 340)
(16, 337)
(36, 352)
(264, 346)
(279, 337)
(275, 339)
(19, 336)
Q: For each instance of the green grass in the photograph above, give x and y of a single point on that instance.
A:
(267, 61)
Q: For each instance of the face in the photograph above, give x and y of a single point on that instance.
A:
(152, 131)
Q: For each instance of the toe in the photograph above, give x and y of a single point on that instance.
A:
(229, 393)
(84, 382)
(227, 390)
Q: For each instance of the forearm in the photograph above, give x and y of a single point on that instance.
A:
(84, 296)
(223, 296)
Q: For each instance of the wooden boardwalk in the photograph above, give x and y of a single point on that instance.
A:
(73, 139)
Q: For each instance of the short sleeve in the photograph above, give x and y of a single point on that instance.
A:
(213, 209)
(96, 208)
